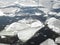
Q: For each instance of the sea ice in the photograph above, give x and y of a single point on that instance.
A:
(54, 24)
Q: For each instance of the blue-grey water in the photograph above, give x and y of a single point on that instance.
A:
(6, 20)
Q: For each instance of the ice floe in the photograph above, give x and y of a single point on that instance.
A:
(24, 29)
(54, 24)
(48, 42)
(57, 40)
(27, 33)
(1, 13)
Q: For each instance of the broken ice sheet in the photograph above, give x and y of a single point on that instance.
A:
(27, 33)
(24, 30)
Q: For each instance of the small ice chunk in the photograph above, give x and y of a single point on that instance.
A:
(48, 42)
(50, 20)
(3, 37)
(9, 10)
(16, 26)
(25, 29)
(58, 14)
(1, 13)
(54, 24)
(57, 40)
(52, 13)
(36, 24)
(56, 5)
(32, 22)
(13, 28)
(38, 14)
(45, 10)
(27, 33)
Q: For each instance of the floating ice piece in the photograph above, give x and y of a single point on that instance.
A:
(38, 14)
(25, 29)
(45, 10)
(16, 2)
(31, 22)
(48, 42)
(57, 40)
(27, 33)
(13, 28)
(16, 27)
(56, 6)
(1, 13)
(52, 13)
(54, 24)
(36, 24)
(58, 14)
(9, 10)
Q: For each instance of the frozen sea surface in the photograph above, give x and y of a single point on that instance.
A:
(26, 17)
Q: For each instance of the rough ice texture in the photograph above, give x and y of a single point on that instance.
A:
(54, 24)
(44, 11)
